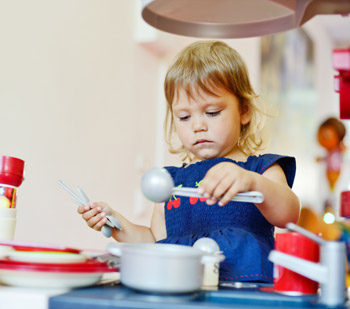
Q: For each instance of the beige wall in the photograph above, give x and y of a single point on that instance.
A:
(78, 103)
(81, 101)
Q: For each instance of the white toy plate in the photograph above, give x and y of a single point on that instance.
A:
(48, 279)
(52, 275)
(46, 257)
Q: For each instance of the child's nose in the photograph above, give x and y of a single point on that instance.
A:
(199, 124)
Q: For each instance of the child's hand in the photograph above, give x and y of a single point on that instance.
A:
(223, 181)
(95, 214)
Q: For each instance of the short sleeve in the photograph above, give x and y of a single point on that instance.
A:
(288, 165)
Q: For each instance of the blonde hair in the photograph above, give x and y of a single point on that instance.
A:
(210, 66)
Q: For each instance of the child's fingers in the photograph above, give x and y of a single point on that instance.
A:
(215, 187)
(94, 205)
(106, 210)
(95, 221)
(82, 209)
(223, 186)
(212, 180)
(91, 213)
(100, 223)
(102, 206)
(211, 201)
(208, 185)
(228, 196)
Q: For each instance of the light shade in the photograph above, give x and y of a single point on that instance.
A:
(235, 18)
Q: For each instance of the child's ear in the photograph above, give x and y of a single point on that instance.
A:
(245, 113)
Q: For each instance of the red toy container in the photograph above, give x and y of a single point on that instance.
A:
(11, 171)
(287, 281)
(11, 177)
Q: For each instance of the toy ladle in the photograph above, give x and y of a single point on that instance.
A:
(158, 186)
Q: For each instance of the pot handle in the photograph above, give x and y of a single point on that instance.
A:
(115, 248)
(212, 258)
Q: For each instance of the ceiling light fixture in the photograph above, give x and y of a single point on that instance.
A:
(235, 18)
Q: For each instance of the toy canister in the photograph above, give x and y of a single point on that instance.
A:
(11, 177)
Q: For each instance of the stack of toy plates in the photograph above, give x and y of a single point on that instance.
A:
(47, 266)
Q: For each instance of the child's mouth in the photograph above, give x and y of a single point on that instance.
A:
(201, 141)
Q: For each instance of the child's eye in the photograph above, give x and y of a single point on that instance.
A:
(212, 114)
(184, 118)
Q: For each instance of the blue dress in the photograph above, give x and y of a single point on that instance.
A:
(242, 232)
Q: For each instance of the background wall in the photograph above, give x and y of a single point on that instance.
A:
(78, 103)
(81, 100)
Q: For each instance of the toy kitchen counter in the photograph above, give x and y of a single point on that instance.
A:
(227, 296)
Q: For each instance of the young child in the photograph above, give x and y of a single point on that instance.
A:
(214, 111)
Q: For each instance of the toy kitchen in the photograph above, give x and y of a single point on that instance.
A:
(171, 276)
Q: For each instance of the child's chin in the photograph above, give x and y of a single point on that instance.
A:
(206, 156)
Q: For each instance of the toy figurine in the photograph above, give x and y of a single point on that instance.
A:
(330, 135)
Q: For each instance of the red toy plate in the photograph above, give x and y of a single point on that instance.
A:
(90, 266)
(41, 247)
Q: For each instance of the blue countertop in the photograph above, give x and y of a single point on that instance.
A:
(118, 296)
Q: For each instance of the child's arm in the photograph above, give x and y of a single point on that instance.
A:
(95, 216)
(158, 222)
(225, 180)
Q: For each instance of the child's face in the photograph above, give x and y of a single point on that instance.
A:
(209, 126)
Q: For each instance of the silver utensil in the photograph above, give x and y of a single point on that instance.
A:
(83, 199)
(158, 186)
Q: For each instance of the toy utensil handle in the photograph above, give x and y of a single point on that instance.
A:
(107, 228)
(71, 192)
(249, 196)
(83, 200)
(296, 228)
(106, 231)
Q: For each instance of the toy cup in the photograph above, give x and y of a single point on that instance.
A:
(287, 281)
(7, 223)
(7, 227)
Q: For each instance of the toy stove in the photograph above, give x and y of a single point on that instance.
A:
(228, 295)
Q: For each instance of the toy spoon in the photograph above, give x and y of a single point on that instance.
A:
(158, 186)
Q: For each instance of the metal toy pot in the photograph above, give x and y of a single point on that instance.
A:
(161, 268)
